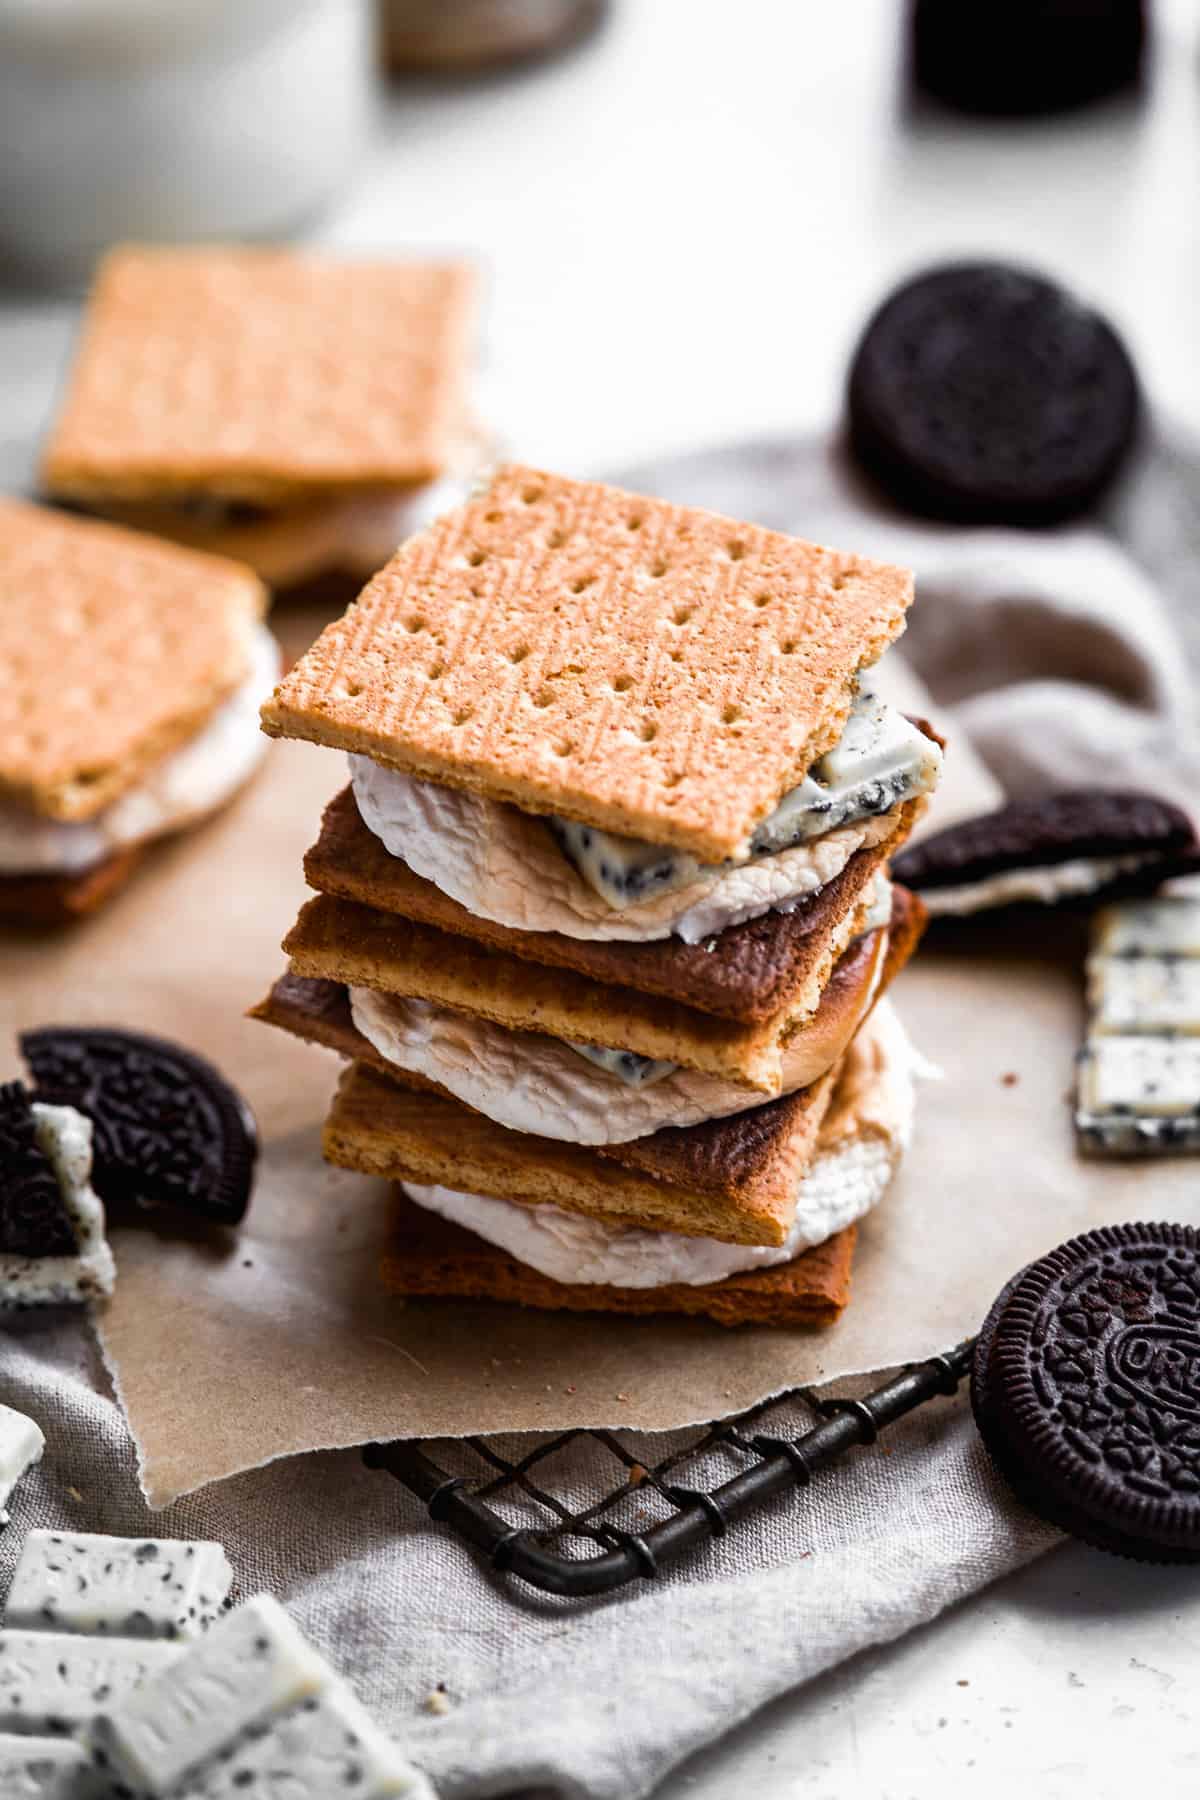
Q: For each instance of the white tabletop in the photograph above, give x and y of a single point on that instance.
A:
(685, 223)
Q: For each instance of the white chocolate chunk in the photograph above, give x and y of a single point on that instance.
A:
(21, 1445)
(53, 1685)
(47, 1769)
(1168, 925)
(626, 1065)
(879, 762)
(1157, 1077)
(1144, 994)
(251, 1668)
(123, 1587)
(322, 1748)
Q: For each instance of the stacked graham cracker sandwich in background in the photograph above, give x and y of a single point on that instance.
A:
(603, 920)
(301, 413)
(133, 675)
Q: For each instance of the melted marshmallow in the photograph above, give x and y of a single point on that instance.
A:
(192, 781)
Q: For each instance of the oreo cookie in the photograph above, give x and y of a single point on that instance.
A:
(987, 394)
(170, 1131)
(1005, 58)
(1086, 1389)
(1080, 844)
(34, 1220)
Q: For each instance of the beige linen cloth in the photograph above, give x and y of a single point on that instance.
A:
(1062, 657)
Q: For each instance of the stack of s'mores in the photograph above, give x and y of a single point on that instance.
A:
(603, 920)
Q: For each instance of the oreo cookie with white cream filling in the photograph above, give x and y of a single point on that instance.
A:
(880, 761)
(52, 1246)
(1052, 848)
(171, 1132)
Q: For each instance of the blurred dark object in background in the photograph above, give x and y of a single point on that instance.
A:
(1017, 58)
(459, 36)
(989, 395)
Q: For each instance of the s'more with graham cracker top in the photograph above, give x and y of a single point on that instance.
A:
(603, 921)
(134, 671)
(301, 413)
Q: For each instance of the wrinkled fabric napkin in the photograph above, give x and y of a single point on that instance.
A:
(1060, 655)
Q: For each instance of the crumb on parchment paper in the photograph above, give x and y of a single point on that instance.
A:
(438, 1702)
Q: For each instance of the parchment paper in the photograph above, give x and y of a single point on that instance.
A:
(228, 1354)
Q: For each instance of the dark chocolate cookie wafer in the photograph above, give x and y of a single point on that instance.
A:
(983, 392)
(169, 1129)
(1086, 1389)
(1081, 843)
(33, 1216)
(1009, 58)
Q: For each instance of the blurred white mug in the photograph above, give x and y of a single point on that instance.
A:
(173, 120)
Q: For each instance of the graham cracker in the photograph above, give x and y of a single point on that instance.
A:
(116, 648)
(753, 973)
(336, 940)
(655, 670)
(261, 374)
(733, 1179)
(429, 1256)
(42, 902)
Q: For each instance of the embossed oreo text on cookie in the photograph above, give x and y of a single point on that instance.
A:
(169, 1129)
(1087, 1388)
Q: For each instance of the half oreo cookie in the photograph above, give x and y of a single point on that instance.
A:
(1005, 58)
(170, 1131)
(1086, 1389)
(985, 393)
(1054, 848)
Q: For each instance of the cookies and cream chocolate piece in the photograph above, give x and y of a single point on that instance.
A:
(1168, 925)
(1139, 1096)
(321, 1748)
(654, 670)
(1051, 848)
(1144, 994)
(21, 1446)
(505, 866)
(53, 1684)
(880, 761)
(248, 1670)
(1138, 1091)
(120, 1587)
(633, 1070)
(42, 1768)
(170, 1130)
(53, 1251)
(296, 411)
(845, 1180)
(775, 963)
(252, 1698)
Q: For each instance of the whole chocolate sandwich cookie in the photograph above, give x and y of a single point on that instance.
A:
(999, 59)
(53, 1250)
(300, 413)
(1086, 1388)
(604, 918)
(133, 675)
(170, 1131)
(1053, 848)
(987, 394)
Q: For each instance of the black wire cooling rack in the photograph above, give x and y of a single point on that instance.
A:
(576, 1550)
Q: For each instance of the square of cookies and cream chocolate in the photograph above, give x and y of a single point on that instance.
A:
(134, 673)
(299, 412)
(603, 920)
